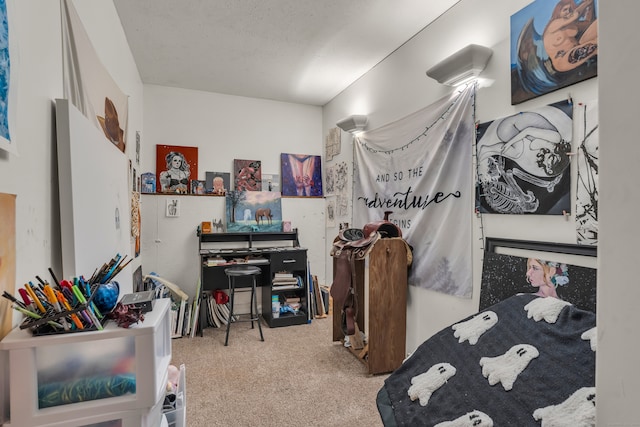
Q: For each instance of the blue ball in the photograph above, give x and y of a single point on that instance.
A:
(106, 296)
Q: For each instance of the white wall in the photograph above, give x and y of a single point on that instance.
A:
(224, 128)
(617, 376)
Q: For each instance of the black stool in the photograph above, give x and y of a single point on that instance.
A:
(243, 271)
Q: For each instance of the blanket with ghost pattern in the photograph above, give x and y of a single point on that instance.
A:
(525, 361)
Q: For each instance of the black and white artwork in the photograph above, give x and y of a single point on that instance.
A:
(523, 162)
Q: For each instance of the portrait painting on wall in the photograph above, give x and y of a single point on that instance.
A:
(176, 166)
(554, 44)
(217, 183)
(507, 275)
(301, 175)
(523, 162)
(247, 175)
(253, 211)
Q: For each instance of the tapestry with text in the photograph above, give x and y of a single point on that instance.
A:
(419, 168)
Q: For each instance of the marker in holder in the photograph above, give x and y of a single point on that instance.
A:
(72, 312)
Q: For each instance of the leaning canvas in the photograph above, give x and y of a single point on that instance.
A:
(257, 211)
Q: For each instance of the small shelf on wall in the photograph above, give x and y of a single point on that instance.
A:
(180, 194)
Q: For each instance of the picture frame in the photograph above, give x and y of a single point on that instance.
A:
(176, 166)
(504, 271)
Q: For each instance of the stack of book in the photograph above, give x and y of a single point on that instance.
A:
(285, 280)
(212, 262)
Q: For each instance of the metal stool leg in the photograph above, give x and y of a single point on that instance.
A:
(232, 289)
(255, 305)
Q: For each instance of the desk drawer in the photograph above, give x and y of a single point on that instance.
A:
(291, 260)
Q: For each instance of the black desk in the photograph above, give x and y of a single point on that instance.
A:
(218, 251)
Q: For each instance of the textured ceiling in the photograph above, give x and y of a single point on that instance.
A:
(302, 51)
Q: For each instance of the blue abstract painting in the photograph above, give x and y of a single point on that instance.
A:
(4, 72)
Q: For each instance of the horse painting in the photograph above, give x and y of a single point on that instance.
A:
(263, 213)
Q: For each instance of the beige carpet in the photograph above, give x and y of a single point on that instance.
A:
(296, 377)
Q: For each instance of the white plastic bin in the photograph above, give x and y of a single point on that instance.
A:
(178, 417)
(143, 350)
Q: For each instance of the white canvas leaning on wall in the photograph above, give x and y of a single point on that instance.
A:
(94, 196)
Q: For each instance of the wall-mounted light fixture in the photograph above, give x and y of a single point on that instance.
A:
(353, 124)
(461, 67)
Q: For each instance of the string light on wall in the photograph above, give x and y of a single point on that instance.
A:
(424, 133)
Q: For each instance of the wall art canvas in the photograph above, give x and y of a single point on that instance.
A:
(197, 187)
(247, 175)
(136, 221)
(554, 44)
(506, 275)
(332, 143)
(523, 162)
(301, 175)
(8, 93)
(217, 183)
(588, 159)
(270, 182)
(257, 211)
(87, 83)
(148, 182)
(172, 207)
(176, 166)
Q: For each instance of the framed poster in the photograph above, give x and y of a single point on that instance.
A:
(301, 175)
(176, 166)
(554, 44)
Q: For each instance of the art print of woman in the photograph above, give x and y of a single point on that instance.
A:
(553, 45)
(301, 175)
(176, 167)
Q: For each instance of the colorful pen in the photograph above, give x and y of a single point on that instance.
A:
(34, 297)
(65, 303)
(90, 313)
(27, 301)
(51, 296)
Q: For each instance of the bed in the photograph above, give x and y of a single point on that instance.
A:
(523, 361)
